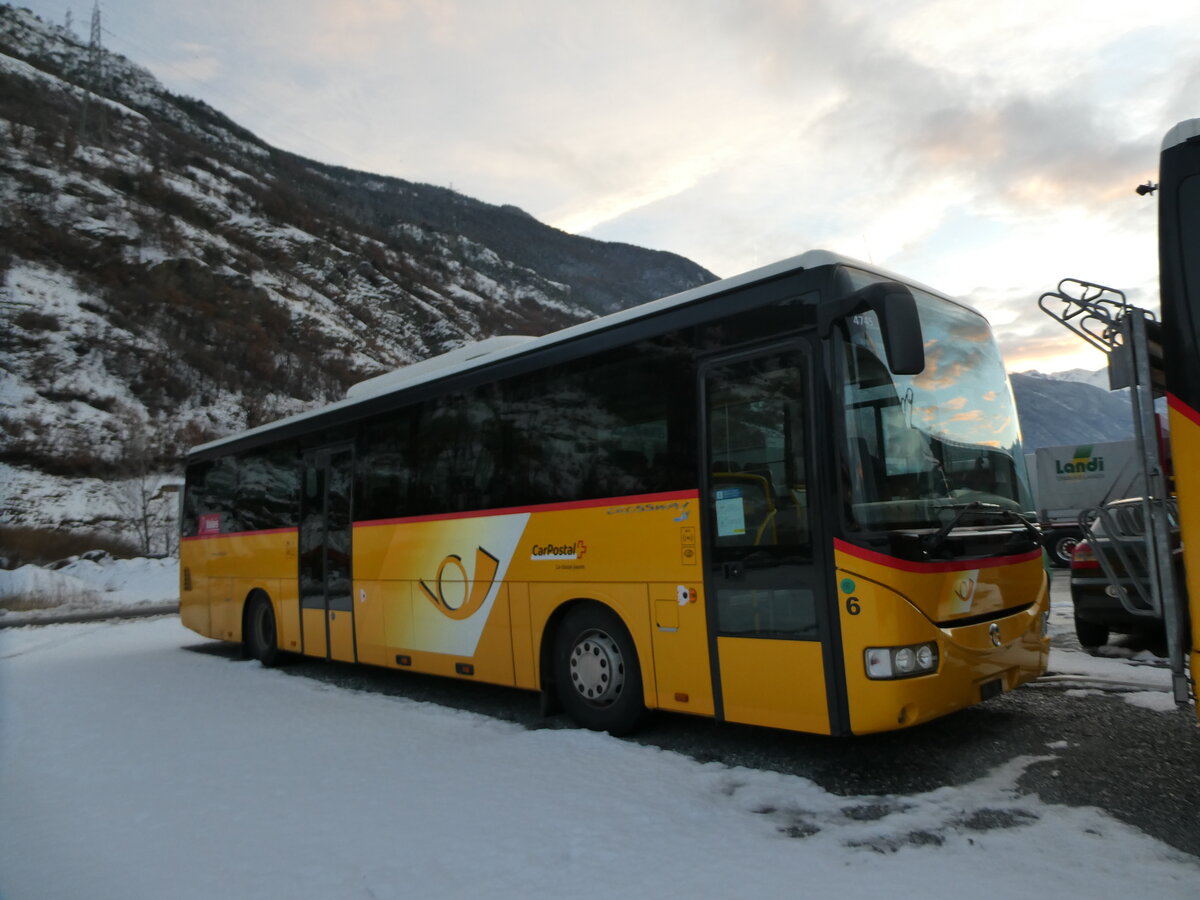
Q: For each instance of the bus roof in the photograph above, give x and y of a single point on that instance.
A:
(1185, 131)
(470, 356)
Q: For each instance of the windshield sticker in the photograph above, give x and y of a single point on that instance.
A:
(731, 514)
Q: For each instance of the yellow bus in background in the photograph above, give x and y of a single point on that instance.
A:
(792, 498)
(1179, 276)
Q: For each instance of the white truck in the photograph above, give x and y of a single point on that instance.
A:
(1069, 479)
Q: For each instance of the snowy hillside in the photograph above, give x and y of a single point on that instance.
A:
(1070, 408)
(1097, 378)
(166, 277)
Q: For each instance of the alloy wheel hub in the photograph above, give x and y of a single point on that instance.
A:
(597, 670)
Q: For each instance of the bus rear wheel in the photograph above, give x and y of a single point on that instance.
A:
(596, 671)
(259, 635)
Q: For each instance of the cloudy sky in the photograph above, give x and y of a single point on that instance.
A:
(986, 148)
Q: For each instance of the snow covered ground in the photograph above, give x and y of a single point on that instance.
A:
(133, 767)
(1144, 678)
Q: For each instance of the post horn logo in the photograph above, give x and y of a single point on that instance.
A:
(465, 598)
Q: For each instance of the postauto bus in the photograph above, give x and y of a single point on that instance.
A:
(1179, 274)
(792, 498)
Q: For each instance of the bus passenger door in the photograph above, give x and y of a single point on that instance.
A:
(765, 586)
(326, 601)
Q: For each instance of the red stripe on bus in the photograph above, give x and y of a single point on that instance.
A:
(635, 500)
(1183, 408)
(221, 534)
(906, 565)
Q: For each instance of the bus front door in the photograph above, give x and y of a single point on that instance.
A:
(326, 601)
(764, 587)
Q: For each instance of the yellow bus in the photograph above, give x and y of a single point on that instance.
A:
(1179, 275)
(793, 498)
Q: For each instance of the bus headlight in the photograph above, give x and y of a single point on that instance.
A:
(926, 657)
(901, 662)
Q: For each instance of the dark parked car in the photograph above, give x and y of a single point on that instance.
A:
(1098, 608)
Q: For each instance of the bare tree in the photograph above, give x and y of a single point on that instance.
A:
(146, 499)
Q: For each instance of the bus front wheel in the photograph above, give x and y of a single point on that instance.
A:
(259, 635)
(596, 671)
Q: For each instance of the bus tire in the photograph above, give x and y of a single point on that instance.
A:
(1091, 634)
(596, 670)
(259, 635)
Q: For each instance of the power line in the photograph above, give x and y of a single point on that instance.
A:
(94, 115)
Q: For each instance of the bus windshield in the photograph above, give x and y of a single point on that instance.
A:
(919, 448)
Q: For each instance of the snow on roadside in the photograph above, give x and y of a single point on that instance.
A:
(1159, 701)
(89, 585)
(52, 588)
(1143, 669)
(1143, 678)
(146, 580)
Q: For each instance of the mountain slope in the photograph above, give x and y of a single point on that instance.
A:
(1056, 411)
(169, 277)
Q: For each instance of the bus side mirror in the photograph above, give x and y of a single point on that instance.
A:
(899, 323)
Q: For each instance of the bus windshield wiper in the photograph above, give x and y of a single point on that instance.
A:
(932, 542)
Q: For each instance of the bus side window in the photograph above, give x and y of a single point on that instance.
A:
(195, 498)
(268, 489)
(609, 425)
(385, 465)
(457, 453)
(217, 498)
